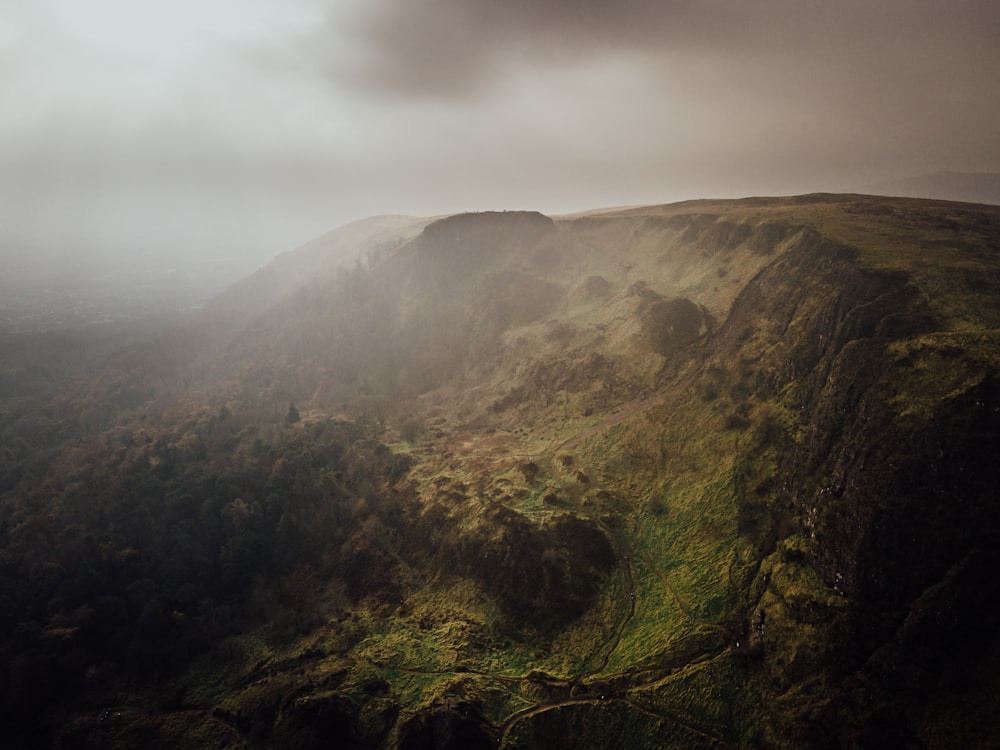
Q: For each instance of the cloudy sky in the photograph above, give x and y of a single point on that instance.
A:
(207, 128)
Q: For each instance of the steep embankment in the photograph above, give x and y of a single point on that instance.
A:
(890, 413)
(710, 474)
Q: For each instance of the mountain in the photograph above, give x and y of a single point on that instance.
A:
(715, 473)
(968, 187)
(355, 243)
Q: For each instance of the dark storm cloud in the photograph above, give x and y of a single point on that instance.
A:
(781, 94)
(458, 47)
(454, 48)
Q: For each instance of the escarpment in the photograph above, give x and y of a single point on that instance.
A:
(712, 474)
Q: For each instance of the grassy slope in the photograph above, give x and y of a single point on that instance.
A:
(657, 453)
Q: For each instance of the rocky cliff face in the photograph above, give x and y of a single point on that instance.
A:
(885, 470)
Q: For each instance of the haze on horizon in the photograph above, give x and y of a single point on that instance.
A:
(168, 132)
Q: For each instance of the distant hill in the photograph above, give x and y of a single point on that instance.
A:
(719, 473)
(362, 241)
(968, 187)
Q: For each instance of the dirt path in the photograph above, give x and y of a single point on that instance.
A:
(541, 708)
(515, 719)
(623, 623)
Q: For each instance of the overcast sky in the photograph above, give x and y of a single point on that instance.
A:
(208, 128)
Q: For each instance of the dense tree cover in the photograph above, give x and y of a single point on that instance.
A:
(131, 561)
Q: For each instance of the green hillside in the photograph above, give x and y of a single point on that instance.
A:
(710, 474)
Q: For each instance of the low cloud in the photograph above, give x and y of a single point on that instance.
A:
(231, 128)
